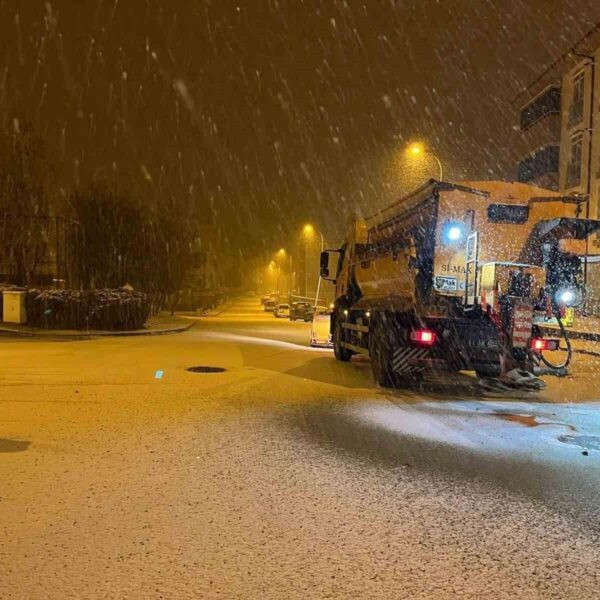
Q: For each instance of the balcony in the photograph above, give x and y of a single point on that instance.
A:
(539, 164)
(547, 103)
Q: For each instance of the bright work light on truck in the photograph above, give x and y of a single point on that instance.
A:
(567, 297)
(453, 232)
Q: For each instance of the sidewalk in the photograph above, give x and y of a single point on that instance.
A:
(160, 324)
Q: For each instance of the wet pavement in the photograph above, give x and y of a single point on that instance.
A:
(286, 475)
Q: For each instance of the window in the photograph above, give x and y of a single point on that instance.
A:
(541, 162)
(576, 109)
(547, 103)
(574, 167)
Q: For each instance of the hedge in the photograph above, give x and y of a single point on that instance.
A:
(106, 309)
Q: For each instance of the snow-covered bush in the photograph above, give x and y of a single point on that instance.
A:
(105, 309)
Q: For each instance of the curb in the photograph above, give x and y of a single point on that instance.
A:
(574, 335)
(217, 312)
(588, 352)
(90, 335)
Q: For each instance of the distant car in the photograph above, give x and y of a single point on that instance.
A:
(301, 310)
(282, 310)
(270, 305)
(320, 334)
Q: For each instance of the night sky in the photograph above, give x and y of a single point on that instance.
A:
(260, 115)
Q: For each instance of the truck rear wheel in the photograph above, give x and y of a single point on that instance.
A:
(384, 340)
(380, 356)
(339, 351)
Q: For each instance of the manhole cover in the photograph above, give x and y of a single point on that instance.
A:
(591, 442)
(204, 369)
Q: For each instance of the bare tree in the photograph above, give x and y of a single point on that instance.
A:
(123, 242)
(24, 204)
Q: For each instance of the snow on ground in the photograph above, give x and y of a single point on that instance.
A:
(287, 476)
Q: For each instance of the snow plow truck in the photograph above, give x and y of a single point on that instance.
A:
(450, 276)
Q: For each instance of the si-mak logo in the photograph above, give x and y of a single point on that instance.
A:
(455, 269)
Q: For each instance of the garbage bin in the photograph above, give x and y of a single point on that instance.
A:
(13, 306)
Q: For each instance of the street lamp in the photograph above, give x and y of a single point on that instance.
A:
(309, 231)
(279, 256)
(417, 149)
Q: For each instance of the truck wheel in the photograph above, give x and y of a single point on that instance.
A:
(380, 352)
(384, 341)
(339, 351)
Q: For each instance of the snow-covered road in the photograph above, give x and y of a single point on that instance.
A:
(288, 475)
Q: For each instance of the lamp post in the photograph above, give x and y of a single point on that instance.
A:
(280, 254)
(290, 281)
(416, 150)
(309, 231)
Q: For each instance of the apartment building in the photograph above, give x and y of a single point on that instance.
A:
(559, 138)
(559, 128)
(539, 138)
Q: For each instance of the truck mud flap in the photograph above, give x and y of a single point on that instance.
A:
(403, 359)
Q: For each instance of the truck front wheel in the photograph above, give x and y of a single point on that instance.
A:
(339, 351)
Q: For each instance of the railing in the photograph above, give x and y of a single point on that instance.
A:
(545, 104)
(541, 162)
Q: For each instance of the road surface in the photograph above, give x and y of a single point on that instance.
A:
(288, 475)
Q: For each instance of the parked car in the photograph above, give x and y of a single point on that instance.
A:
(320, 334)
(301, 310)
(265, 297)
(282, 310)
(270, 306)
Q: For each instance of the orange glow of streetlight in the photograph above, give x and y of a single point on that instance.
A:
(308, 230)
(415, 149)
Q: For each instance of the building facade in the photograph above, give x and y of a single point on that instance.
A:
(559, 139)
(539, 138)
(559, 127)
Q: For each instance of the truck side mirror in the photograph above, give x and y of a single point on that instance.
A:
(325, 265)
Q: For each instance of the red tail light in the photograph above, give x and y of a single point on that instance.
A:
(539, 344)
(425, 337)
